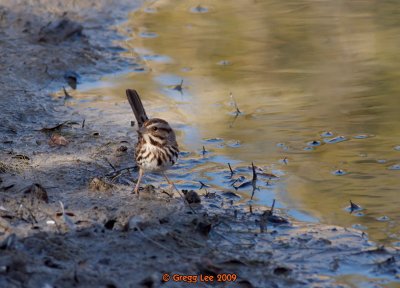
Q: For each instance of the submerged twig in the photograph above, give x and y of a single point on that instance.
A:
(237, 112)
(202, 185)
(204, 150)
(235, 104)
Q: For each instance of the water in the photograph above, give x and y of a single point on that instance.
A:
(317, 86)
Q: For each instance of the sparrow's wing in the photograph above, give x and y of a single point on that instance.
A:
(137, 106)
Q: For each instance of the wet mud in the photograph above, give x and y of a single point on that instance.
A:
(67, 214)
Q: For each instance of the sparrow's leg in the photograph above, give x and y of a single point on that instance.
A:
(136, 191)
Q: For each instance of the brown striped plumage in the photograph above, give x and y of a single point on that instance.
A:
(156, 149)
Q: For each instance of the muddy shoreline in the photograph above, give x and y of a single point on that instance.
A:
(106, 236)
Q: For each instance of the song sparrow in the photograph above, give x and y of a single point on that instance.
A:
(156, 149)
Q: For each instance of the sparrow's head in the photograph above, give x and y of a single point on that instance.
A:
(158, 132)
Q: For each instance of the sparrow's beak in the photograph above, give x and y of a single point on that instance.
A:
(142, 130)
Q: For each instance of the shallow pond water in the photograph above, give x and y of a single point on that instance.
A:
(316, 83)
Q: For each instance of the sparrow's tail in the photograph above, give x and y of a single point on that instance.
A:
(137, 106)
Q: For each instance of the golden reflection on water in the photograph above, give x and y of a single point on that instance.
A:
(296, 69)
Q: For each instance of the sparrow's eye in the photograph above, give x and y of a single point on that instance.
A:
(155, 128)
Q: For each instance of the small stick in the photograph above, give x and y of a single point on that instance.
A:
(109, 163)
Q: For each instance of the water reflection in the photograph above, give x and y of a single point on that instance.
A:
(298, 70)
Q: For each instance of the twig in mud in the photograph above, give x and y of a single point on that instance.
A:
(253, 180)
(204, 151)
(30, 214)
(165, 192)
(109, 163)
(271, 212)
(58, 126)
(230, 168)
(83, 123)
(116, 172)
(234, 181)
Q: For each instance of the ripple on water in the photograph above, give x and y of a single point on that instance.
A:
(314, 143)
(283, 146)
(150, 10)
(214, 140)
(359, 227)
(308, 148)
(394, 167)
(335, 140)
(199, 9)
(363, 136)
(233, 143)
(339, 172)
(224, 63)
(383, 218)
(326, 134)
(157, 58)
(148, 35)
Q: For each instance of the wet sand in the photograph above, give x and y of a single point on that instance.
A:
(107, 237)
